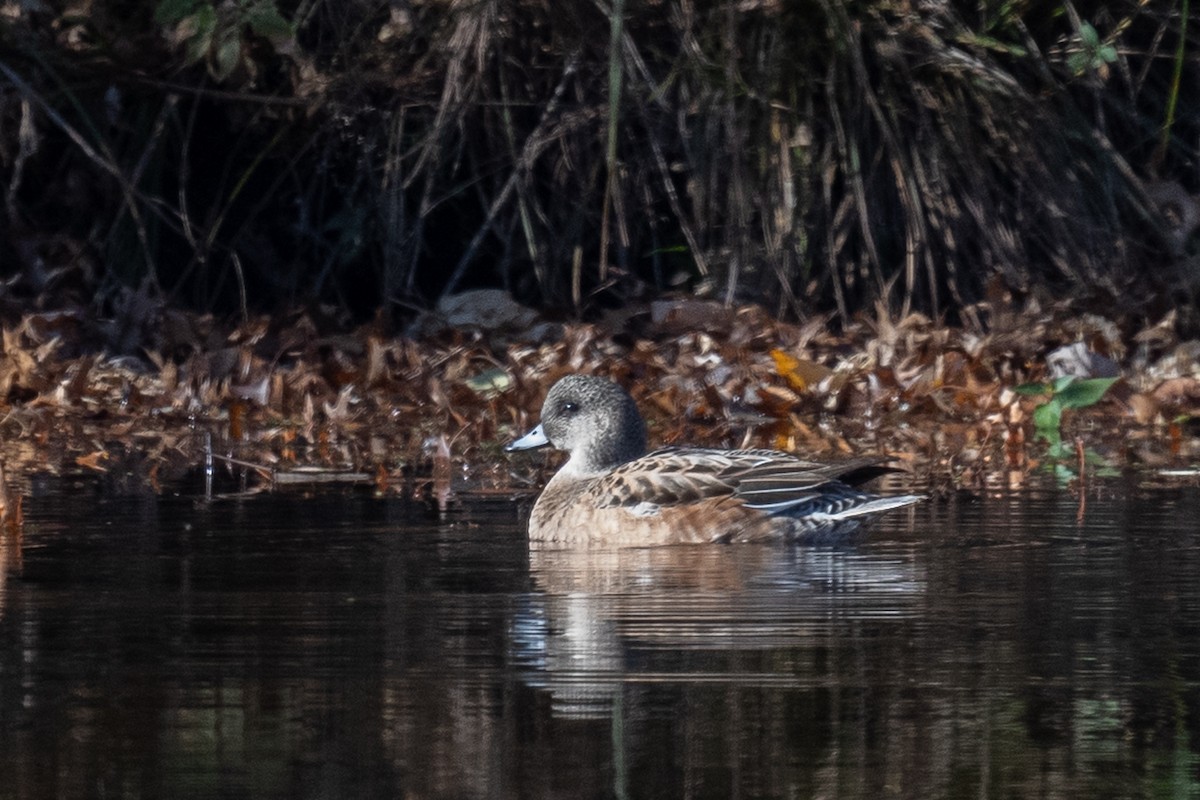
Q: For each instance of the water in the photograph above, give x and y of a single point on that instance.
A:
(340, 646)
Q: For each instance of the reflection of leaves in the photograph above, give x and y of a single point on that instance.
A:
(1065, 460)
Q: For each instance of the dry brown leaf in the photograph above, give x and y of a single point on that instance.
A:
(776, 401)
(1144, 408)
(94, 460)
(376, 371)
(1179, 393)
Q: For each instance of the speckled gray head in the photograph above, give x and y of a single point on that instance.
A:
(593, 419)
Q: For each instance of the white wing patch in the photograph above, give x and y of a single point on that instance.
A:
(645, 509)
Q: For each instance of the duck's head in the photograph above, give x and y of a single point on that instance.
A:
(593, 419)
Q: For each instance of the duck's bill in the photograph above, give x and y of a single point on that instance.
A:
(535, 438)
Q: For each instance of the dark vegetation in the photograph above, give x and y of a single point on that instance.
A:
(174, 169)
(811, 155)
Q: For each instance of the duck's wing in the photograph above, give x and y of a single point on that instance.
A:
(791, 485)
(667, 477)
(768, 480)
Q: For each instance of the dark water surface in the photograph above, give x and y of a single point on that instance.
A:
(341, 646)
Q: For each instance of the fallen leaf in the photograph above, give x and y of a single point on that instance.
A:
(93, 460)
(800, 374)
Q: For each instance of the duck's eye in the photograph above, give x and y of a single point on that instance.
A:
(568, 408)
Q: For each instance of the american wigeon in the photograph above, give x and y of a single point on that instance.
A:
(612, 492)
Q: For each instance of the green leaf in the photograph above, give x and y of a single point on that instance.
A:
(266, 21)
(1032, 389)
(1089, 37)
(168, 12)
(1063, 474)
(1081, 394)
(1047, 419)
(1061, 383)
(197, 31)
(490, 383)
(1062, 451)
(1108, 53)
(229, 53)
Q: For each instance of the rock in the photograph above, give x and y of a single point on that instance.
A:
(488, 310)
(1077, 361)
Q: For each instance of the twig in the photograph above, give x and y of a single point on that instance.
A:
(534, 145)
(237, 462)
(102, 160)
(208, 466)
(28, 91)
(638, 64)
(27, 144)
(103, 157)
(616, 21)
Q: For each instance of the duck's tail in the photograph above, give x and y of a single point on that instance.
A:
(874, 505)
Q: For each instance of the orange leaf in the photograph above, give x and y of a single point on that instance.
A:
(799, 373)
(93, 460)
(237, 412)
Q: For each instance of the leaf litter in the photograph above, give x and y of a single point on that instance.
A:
(300, 399)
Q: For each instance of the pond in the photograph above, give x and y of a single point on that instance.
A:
(336, 645)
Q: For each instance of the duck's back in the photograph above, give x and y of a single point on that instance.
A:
(684, 496)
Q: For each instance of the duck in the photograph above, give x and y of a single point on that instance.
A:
(611, 491)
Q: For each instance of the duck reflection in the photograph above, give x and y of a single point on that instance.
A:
(601, 619)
